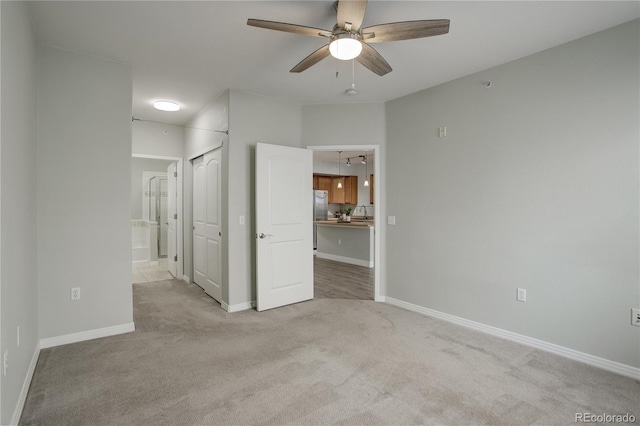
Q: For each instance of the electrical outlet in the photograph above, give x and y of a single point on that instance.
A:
(522, 295)
(635, 316)
(75, 293)
(5, 362)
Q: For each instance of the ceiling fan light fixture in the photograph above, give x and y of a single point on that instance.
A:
(166, 106)
(345, 47)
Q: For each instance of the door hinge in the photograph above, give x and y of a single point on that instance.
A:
(175, 174)
(175, 258)
(175, 215)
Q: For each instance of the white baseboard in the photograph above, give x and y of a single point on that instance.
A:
(51, 342)
(605, 364)
(22, 398)
(344, 259)
(186, 279)
(238, 306)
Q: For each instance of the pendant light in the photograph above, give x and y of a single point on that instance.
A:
(339, 178)
(366, 170)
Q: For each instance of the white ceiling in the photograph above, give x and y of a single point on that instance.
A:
(192, 51)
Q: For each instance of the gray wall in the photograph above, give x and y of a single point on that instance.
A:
(535, 186)
(83, 185)
(139, 165)
(157, 139)
(18, 278)
(252, 119)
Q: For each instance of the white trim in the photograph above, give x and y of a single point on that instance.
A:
(186, 279)
(51, 342)
(605, 364)
(22, 398)
(377, 206)
(344, 259)
(238, 306)
(205, 150)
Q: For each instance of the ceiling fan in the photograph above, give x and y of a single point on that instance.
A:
(348, 40)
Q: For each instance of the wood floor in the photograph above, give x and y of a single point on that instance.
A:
(337, 280)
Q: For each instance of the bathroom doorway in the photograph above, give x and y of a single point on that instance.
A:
(156, 218)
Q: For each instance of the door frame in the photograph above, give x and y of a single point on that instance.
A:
(377, 219)
(179, 208)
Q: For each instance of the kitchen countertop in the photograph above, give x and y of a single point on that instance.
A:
(356, 223)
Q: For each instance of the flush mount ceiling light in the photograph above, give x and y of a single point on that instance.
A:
(345, 46)
(166, 106)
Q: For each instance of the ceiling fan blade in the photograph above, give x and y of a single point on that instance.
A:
(289, 28)
(351, 11)
(312, 59)
(371, 59)
(405, 30)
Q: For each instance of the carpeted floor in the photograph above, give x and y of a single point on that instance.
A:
(350, 362)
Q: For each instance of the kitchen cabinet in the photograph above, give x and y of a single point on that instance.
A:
(336, 195)
(348, 194)
(371, 189)
(324, 183)
(351, 190)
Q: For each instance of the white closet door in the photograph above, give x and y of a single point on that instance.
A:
(207, 230)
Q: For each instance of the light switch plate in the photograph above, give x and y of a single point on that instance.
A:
(522, 295)
(391, 220)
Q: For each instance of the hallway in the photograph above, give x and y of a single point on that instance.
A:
(144, 272)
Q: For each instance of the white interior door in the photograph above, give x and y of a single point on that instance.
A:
(207, 230)
(172, 216)
(284, 252)
(163, 221)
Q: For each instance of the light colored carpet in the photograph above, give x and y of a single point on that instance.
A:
(325, 361)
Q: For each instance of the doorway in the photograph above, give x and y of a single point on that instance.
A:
(336, 266)
(156, 218)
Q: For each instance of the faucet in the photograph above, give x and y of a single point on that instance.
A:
(365, 211)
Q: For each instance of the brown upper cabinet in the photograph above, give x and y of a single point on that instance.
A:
(371, 188)
(324, 182)
(348, 194)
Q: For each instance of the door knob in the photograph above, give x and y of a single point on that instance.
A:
(262, 235)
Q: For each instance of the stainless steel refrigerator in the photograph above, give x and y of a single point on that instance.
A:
(320, 208)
